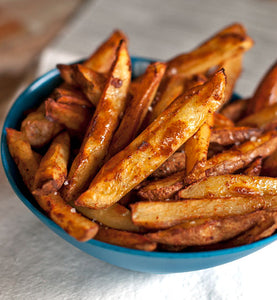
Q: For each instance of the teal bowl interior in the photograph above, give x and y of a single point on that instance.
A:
(150, 262)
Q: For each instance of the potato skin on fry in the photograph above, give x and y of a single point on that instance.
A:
(154, 145)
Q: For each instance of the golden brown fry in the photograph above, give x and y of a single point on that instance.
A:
(266, 92)
(38, 130)
(227, 43)
(235, 110)
(206, 231)
(225, 186)
(154, 145)
(269, 167)
(254, 168)
(66, 217)
(67, 74)
(102, 59)
(221, 121)
(233, 135)
(117, 216)
(261, 119)
(24, 157)
(125, 239)
(175, 163)
(52, 170)
(102, 126)
(142, 92)
(160, 214)
(74, 117)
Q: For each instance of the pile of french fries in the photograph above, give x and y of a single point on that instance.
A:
(161, 162)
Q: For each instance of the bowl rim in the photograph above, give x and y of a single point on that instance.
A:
(43, 79)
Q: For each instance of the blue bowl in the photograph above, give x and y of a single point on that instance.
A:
(150, 262)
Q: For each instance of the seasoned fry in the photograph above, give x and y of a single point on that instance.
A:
(74, 117)
(233, 135)
(154, 145)
(125, 239)
(224, 186)
(208, 231)
(266, 92)
(38, 130)
(52, 170)
(160, 214)
(236, 110)
(229, 42)
(25, 158)
(254, 168)
(66, 217)
(142, 92)
(102, 126)
(67, 74)
(102, 59)
(221, 121)
(269, 167)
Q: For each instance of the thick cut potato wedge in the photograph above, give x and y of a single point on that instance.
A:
(102, 126)
(269, 167)
(67, 95)
(117, 216)
(233, 135)
(52, 170)
(38, 130)
(160, 214)
(228, 43)
(154, 145)
(72, 116)
(25, 158)
(224, 186)
(266, 92)
(208, 231)
(125, 239)
(254, 168)
(236, 110)
(67, 218)
(102, 59)
(221, 121)
(142, 93)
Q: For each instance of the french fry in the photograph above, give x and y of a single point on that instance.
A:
(154, 145)
(52, 170)
(266, 92)
(38, 130)
(221, 121)
(125, 239)
(67, 74)
(24, 157)
(116, 216)
(67, 218)
(160, 214)
(235, 110)
(102, 59)
(269, 167)
(233, 135)
(102, 126)
(227, 43)
(254, 168)
(69, 100)
(224, 186)
(208, 231)
(142, 92)
(74, 117)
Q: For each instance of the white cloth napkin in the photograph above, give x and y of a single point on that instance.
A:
(37, 264)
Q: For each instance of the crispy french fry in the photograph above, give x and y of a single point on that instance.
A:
(224, 186)
(227, 43)
(102, 126)
(142, 91)
(160, 214)
(74, 117)
(266, 92)
(206, 231)
(254, 168)
(66, 217)
(67, 74)
(102, 59)
(261, 119)
(221, 121)
(69, 100)
(269, 167)
(24, 157)
(125, 239)
(52, 170)
(236, 110)
(173, 164)
(154, 145)
(38, 130)
(233, 135)
(117, 216)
